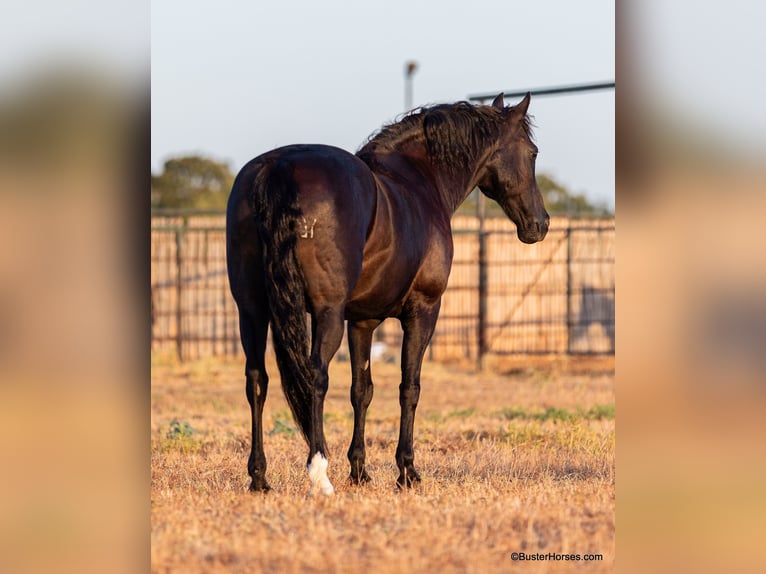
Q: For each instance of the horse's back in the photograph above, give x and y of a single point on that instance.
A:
(334, 204)
(312, 166)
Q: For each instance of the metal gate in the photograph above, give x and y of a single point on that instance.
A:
(503, 298)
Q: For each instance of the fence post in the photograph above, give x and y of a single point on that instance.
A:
(481, 339)
(179, 289)
(482, 320)
(569, 286)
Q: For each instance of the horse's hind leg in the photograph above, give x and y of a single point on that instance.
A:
(253, 328)
(327, 333)
(359, 343)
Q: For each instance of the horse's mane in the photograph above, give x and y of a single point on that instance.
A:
(453, 133)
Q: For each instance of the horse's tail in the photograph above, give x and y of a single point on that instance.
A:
(276, 211)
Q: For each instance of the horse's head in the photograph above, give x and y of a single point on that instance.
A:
(508, 175)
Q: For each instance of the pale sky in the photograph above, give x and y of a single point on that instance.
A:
(703, 62)
(233, 79)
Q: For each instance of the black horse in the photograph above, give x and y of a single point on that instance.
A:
(359, 238)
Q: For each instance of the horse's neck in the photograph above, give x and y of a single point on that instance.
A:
(453, 185)
(456, 186)
(454, 189)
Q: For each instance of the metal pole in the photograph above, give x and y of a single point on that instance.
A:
(570, 323)
(409, 70)
(549, 91)
(482, 319)
(179, 292)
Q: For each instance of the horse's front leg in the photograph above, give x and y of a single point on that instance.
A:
(418, 322)
(327, 333)
(359, 343)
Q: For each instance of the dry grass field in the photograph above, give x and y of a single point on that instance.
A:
(521, 461)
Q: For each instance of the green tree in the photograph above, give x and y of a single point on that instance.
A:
(192, 182)
(558, 201)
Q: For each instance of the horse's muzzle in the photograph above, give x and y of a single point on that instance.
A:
(535, 232)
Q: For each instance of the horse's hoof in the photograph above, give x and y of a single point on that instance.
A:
(359, 478)
(259, 485)
(318, 476)
(408, 478)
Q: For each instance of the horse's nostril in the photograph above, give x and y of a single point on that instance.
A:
(541, 226)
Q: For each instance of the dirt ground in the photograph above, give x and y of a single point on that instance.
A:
(516, 458)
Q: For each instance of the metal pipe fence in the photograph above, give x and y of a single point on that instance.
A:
(503, 298)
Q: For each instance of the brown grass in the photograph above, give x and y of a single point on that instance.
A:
(516, 462)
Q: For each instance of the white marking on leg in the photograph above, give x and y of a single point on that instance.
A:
(366, 365)
(318, 475)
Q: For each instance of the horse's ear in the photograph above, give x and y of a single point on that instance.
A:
(498, 102)
(522, 107)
